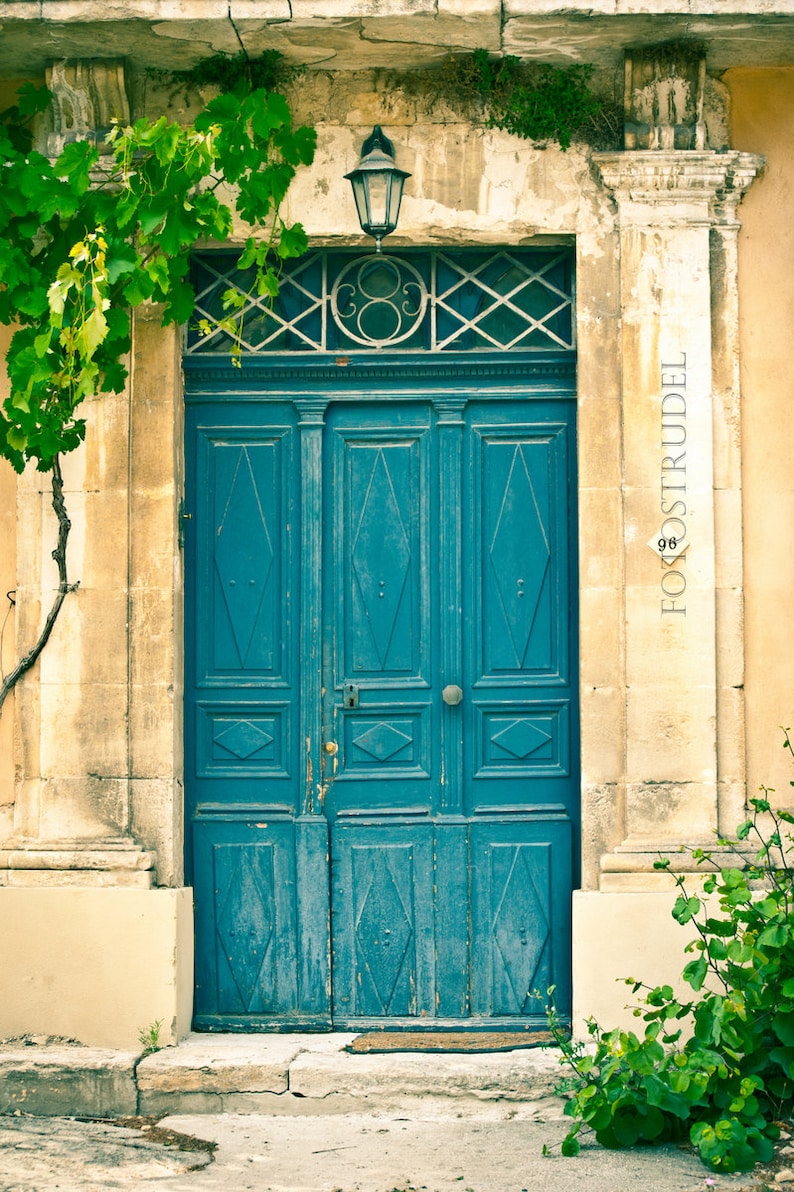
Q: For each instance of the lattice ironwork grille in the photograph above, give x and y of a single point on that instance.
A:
(436, 300)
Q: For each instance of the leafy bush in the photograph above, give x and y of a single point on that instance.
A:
(532, 100)
(719, 1068)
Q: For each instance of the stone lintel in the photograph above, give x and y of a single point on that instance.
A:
(331, 34)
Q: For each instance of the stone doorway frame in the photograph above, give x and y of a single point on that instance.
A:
(99, 796)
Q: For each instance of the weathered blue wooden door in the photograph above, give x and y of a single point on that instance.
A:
(447, 709)
(381, 679)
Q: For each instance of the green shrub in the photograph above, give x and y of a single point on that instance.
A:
(719, 1068)
(532, 100)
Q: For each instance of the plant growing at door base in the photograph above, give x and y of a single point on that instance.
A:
(718, 1068)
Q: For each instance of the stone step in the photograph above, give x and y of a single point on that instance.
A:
(64, 1080)
(314, 1073)
(281, 1074)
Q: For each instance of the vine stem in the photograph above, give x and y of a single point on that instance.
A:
(28, 660)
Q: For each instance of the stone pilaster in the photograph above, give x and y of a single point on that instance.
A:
(71, 820)
(98, 799)
(668, 204)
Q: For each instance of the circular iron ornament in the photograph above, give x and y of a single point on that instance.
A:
(379, 300)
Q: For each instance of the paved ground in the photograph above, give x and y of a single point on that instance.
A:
(339, 1153)
(302, 1113)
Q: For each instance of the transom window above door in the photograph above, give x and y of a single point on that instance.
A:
(436, 300)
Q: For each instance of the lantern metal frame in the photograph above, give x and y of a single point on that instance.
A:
(377, 183)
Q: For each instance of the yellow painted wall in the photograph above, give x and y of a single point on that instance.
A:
(762, 122)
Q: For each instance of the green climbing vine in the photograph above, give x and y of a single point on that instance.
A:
(92, 235)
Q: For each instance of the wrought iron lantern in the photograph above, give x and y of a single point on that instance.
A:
(378, 186)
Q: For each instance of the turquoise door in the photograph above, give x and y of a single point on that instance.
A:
(420, 867)
(381, 687)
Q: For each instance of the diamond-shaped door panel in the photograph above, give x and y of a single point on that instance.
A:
(381, 555)
(379, 538)
(521, 738)
(384, 746)
(512, 915)
(533, 742)
(242, 738)
(520, 926)
(382, 741)
(245, 919)
(243, 548)
(383, 930)
(382, 920)
(519, 553)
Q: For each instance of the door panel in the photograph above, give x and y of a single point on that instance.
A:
(520, 898)
(244, 594)
(383, 961)
(250, 920)
(513, 514)
(240, 650)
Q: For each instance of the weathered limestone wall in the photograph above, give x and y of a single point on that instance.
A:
(100, 720)
(763, 116)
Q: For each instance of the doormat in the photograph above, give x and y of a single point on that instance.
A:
(463, 1041)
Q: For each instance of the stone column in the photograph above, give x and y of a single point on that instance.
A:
(668, 202)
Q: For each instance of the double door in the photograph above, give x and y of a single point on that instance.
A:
(381, 706)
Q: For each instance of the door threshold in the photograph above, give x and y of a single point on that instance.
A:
(261, 1025)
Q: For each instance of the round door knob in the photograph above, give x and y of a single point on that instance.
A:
(452, 694)
(331, 747)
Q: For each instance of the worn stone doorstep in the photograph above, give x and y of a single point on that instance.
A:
(293, 1074)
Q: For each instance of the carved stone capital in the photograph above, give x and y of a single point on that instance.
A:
(676, 187)
(664, 98)
(88, 96)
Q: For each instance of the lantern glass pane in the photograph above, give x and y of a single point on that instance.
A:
(360, 195)
(395, 196)
(378, 198)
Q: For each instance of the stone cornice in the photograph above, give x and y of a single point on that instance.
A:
(678, 186)
(365, 34)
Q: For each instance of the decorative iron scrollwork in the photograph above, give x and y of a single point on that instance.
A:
(379, 300)
(440, 300)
